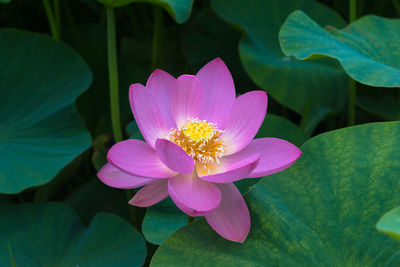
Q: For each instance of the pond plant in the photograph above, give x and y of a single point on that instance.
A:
(136, 133)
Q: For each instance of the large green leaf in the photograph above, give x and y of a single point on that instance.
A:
(320, 212)
(178, 9)
(161, 220)
(51, 234)
(293, 83)
(390, 223)
(367, 49)
(40, 131)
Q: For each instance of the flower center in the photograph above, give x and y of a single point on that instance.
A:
(199, 139)
(197, 130)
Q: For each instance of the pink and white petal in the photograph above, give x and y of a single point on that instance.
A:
(194, 193)
(150, 194)
(174, 157)
(219, 92)
(147, 115)
(114, 177)
(276, 155)
(187, 98)
(244, 121)
(229, 170)
(231, 219)
(160, 84)
(136, 157)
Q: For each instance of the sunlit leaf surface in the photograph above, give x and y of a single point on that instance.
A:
(367, 49)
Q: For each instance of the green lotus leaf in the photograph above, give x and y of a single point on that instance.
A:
(178, 9)
(161, 220)
(40, 130)
(390, 223)
(51, 234)
(367, 48)
(293, 83)
(321, 211)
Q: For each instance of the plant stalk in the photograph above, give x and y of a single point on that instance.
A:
(113, 75)
(54, 27)
(352, 83)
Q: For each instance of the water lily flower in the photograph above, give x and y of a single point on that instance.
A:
(199, 140)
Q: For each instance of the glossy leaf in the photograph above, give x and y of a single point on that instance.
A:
(321, 211)
(162, 220)
(293, 83)
(178, 9)
(51, 234)
(367, 48)
(40, 130)
(390, 223)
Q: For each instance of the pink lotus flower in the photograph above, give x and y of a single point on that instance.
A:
(199, 140)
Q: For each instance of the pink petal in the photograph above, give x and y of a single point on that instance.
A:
(147, 114)
(187, 95)
(136, 157)
(193, 193)
(244, 121)
(174, 157)
(276, 155)
(150, 194)
(160, 85)
(114, 177)
(219, 92)
(189, 211)
(231, 219)
(229, 169)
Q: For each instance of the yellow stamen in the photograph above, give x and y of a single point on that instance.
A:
(199, 139)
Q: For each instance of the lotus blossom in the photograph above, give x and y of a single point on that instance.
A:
(199, 140)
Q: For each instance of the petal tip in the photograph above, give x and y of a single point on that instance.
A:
(157, 72)
(137, 203)
(217, 60)
(134, 86)
(187, 76)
